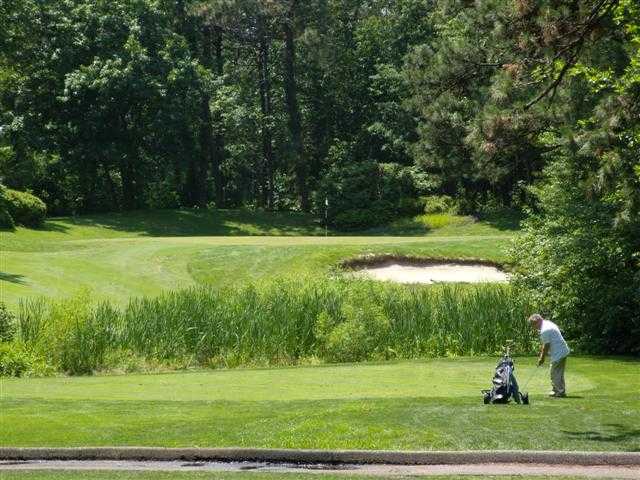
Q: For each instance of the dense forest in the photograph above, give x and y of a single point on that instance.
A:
(110, 105)
(367, 106)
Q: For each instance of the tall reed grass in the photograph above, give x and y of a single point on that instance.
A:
(285, 321)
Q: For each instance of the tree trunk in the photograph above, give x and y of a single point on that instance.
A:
(293, 109)
(218, 140)
(111, 186)
(128, 158)
(126, 173)
(265, 177)
(207, 153)
(212, 59)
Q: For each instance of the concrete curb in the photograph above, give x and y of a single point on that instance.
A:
(324, 456)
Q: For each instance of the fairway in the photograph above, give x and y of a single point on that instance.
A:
(413, 405)
(117, 257)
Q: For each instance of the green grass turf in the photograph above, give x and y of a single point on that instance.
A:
(53, 475)
(416, 405)
(118, 256)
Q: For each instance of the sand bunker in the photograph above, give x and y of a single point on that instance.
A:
(445, 272)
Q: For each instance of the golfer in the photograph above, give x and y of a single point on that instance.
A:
(553, 344)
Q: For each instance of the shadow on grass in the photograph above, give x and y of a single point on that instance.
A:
(403, 227)
(245, 222)
(613, 432)
(505, 220)
(421, 225)
(12, 278)
(47, 226)
(53, 226)
(193, 222)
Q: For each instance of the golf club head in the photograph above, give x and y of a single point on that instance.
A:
(525, 398)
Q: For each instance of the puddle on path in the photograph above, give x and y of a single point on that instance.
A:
(612, 471)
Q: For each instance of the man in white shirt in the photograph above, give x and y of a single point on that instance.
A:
(553, 344)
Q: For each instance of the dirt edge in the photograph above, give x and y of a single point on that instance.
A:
(325, 456)
(386, 259)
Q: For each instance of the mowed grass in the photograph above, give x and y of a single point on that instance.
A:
(119, 256)
(409, 405)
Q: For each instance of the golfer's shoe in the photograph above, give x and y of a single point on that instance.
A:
(557, 395)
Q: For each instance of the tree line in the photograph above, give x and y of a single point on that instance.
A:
(115, 105)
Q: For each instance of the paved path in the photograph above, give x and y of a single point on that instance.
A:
(620, 472)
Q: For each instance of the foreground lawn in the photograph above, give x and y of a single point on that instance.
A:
(118, 256)
(419, 405)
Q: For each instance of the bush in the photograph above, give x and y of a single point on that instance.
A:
(440, 204)
(7, 324)
(17, 361)
(441, 220)
(14, 360)
(24, 208)
(6, 220)
(357, 335)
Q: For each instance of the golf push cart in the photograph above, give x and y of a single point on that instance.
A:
(505, 385)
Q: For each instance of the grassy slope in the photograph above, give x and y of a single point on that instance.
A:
(405, 405)
(142, 253)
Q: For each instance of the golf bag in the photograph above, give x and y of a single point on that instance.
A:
(505, 385)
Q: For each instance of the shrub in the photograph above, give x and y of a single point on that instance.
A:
(357, 335)
(16, 360)
(440, 204)
(7, 324)
(409, 206)
(6, 220)
(440, 220)
(24, 208)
